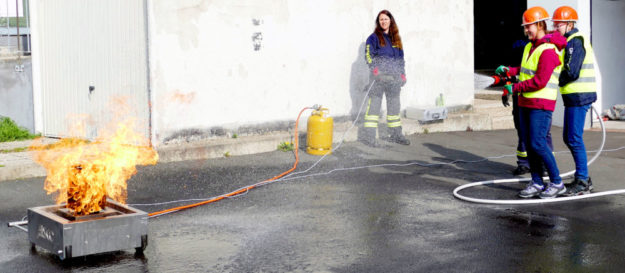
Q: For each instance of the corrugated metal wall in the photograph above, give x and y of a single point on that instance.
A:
(85, 43)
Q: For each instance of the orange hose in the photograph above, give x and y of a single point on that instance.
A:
(242, 190)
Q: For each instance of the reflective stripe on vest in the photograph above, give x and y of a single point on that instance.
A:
(586, 82)
(528, 70)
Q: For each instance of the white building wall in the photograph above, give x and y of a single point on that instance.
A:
(608, 22)
(204, 71)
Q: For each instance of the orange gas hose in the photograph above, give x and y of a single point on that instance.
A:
(245, 189)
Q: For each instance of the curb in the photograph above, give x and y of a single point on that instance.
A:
(21, 171)
(20, 165)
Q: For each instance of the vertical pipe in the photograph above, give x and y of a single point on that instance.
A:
(27, 16)
(17, 21)
(151, 133)
(7, 20)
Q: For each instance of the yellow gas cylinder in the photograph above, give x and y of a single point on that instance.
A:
(319, 132)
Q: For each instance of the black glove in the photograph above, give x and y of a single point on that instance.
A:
(505, 100)
(507, 95)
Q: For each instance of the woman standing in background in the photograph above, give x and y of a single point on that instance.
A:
(385, 56)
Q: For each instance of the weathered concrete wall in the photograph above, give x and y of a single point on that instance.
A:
(16, 91)
(609, 44)
(205, 71)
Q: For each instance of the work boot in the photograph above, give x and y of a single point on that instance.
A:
(368, 137)
(397, 136)
(553, 191)
(531, 190)
(371, 143)
(579, 187)
(520, 170)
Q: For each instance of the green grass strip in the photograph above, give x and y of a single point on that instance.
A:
(9, 131)
(15, 150)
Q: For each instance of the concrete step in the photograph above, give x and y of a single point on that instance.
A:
(19, 165)
(502, 123)
(223, 147)
(500, 117)
(488, 94)
(491, 107)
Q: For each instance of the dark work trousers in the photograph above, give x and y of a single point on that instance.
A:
(391, 89)
(535, 124)
(521, 150)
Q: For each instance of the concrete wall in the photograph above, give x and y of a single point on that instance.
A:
(205, 71)
(16, 91)
(608, 21)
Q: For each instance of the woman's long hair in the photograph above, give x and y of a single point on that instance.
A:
(393, 31)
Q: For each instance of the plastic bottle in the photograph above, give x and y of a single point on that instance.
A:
(440, 101)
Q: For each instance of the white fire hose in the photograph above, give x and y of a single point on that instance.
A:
(536, 201)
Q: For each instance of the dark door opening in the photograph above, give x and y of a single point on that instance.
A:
(498, 35)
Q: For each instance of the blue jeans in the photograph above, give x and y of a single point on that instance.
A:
(574, 118)
(520, 147)
(535, 124)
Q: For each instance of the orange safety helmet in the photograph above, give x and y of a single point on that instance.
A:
(534, 15)
(564, 14)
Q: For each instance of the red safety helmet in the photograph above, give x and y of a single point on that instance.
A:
(565, 14)
(534, 15)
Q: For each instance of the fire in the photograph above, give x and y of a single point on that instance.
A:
(85, 173)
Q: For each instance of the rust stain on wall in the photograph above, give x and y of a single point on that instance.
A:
(181, 98)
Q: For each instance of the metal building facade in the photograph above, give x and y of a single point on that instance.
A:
(88, 56)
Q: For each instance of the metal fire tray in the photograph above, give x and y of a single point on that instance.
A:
(117, 227)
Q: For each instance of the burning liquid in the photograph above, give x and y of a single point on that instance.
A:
(84, 174)
(83, 196)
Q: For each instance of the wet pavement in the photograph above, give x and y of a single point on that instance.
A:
(387, 218)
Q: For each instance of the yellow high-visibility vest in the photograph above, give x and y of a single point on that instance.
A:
(528, 70)
(586, 82)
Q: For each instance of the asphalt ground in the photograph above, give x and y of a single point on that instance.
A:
(398, 216)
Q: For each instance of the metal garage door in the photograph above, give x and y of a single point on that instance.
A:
(90, 52)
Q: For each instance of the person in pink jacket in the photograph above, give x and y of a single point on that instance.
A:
(537, 91)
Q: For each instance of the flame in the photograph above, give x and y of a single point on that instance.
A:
(85, 173)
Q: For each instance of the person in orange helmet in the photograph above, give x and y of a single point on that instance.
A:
(537, 91)
(578, 89)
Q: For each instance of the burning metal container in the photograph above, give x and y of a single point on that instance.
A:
(68, 234)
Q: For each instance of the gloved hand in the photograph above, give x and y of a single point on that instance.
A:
(505, 100)
(403, 79)
(506, 97)
(502, 70)
(507, 89)
(376, 73)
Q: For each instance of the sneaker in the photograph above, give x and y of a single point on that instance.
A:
(520, 170)
(531, 190)
(579, 187)
(399, 139)
(553, 190)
